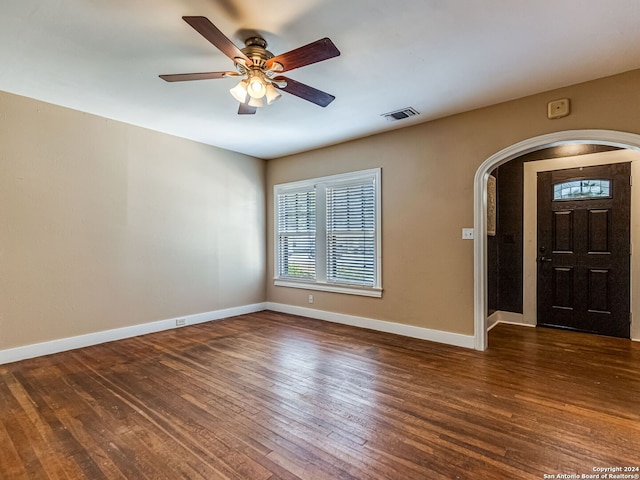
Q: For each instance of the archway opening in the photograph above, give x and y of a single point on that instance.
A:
(597, 137)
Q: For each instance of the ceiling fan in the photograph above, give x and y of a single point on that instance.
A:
(260, 69)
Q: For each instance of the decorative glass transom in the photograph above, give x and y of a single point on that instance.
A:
(582, 189)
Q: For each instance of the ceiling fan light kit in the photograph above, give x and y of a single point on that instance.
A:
(259, 67)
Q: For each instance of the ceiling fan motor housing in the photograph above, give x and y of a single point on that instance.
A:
(256, 49)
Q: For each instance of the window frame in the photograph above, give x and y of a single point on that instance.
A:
(320, 282)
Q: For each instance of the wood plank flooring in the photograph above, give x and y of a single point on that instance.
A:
(274, 396)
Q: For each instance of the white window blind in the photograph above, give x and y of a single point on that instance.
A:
(327, 233)
(351, 233)
(297, 234)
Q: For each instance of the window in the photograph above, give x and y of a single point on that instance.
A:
(582, 189)
(327, 233)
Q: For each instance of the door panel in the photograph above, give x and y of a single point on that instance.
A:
(599, 231)
(583, 245)
(598, 291)
(563, 232)
(563, 288)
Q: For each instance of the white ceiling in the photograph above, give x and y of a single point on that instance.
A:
(439, 56)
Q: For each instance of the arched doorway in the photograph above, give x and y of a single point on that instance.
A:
(602, 137)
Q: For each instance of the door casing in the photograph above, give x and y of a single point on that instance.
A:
(530, 233)
(570, 264)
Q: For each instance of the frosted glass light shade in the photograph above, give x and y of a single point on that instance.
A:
(272, 94)
(239, 92)
(256, 88)
(256, 102)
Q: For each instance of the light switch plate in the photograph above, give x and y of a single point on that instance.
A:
(467, 233)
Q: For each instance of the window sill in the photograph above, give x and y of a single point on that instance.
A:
(326, 287)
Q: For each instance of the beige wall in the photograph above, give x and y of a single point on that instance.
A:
(427, 197)
(106, 225)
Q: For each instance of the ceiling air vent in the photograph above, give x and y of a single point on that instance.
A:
(400, 114)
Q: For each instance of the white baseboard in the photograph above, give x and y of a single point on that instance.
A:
(439, 336)
(63, 344)
(493, 320)
(509, 318)
(71, 343)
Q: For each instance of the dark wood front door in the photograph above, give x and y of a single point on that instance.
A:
(583, 249)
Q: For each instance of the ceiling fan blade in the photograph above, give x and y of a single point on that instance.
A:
(304, 91)
(315, 52)
(183, 77)
(245, 109)
(209, 31)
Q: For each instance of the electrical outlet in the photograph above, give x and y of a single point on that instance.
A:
(181, 322)
(310, 298)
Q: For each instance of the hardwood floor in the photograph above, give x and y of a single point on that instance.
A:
(274, 396)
